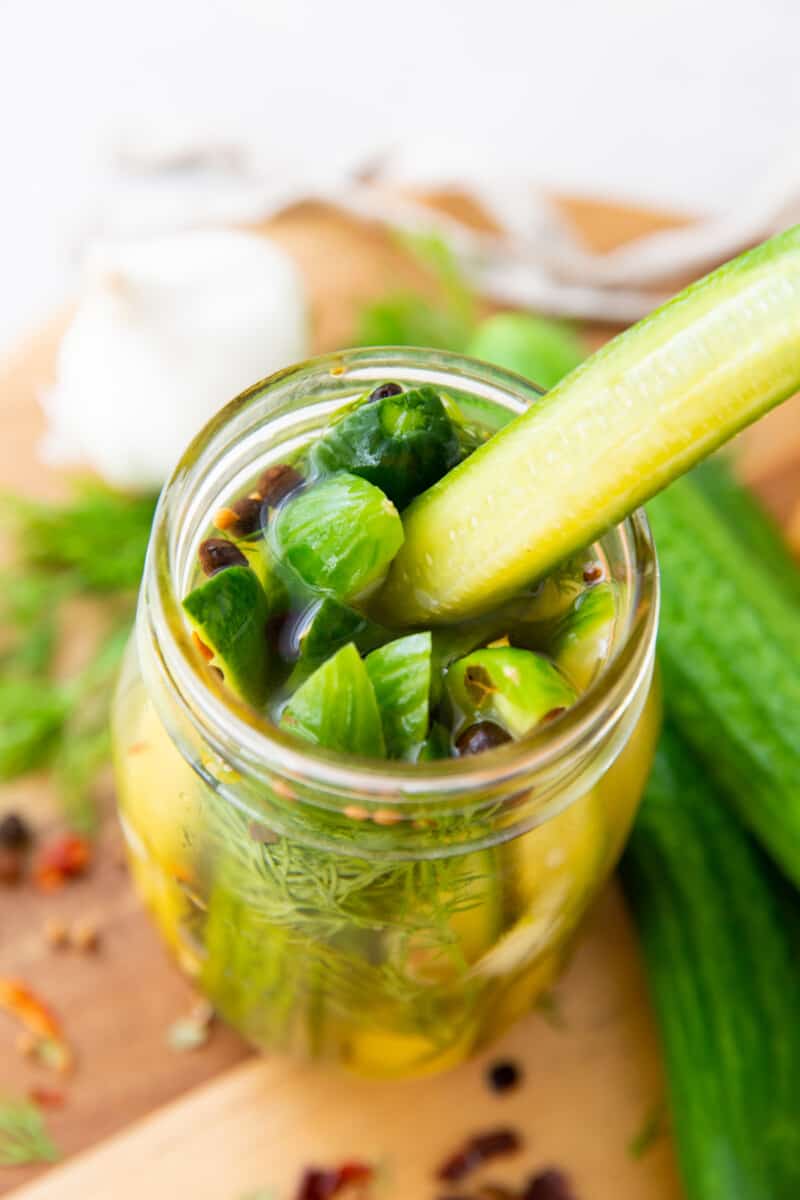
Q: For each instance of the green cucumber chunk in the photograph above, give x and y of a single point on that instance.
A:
(336, 708)
(436, 744)
(513, 688)
(328, 625)
(583, 639)
(338, 536)
(401, 443)
(229, 614)
(719, 934)
(401, 676)
(262, 563)
(618, 429)
(542, 350)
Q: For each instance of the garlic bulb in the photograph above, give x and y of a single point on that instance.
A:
(168, 330)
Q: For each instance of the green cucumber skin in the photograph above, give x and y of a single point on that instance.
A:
(749, 521)
(718, 929)
(638, 413)
(229, 611)
(729, 647)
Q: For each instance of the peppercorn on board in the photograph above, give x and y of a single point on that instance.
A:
(232, 1127)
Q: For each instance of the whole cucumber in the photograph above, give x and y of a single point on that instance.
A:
(719, 932)
(729, 645)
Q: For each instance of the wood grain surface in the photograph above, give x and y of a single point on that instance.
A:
(233, 1128)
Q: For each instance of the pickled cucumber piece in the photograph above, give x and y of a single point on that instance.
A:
(583, 640)
(338, 536)
(514, 688)
(229, 614)
(436, 744)
(401, 676)
(261, 561)
(638, 413)
(328, 625)
(557, 592)
(401, 443)
(542, 350)
(336, 707)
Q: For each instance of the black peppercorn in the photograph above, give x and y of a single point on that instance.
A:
(248, 516)
(384, 390)
(502, 1076)
(276, 482)
(484, 735)
(548, 1185)
(15, 833)
(216, 554)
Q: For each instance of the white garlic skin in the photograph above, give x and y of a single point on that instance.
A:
(168, 330)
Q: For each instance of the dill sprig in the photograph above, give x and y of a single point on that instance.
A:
(98, 537)
(409, 319)
(92, 544)
(24, 1138)
(296, 935)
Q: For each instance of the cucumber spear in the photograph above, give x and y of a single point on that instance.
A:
(618, 429)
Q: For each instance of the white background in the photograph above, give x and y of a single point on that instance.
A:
(682, 103)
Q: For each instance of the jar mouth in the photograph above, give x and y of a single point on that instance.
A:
(226, 451)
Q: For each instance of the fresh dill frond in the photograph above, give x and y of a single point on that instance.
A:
(436, 254)
(31, 720)
(24, 1138)
(99, 536)
(410, 319)
(94, 543)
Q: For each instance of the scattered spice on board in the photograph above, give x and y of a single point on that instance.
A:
(56, 933)
(49, 1046)
(548, 1185)
(23, 1135)
(476, 1151)
(84, 936)
(15, 843)
(46, 1097)
(545, 1185)
(66, 858)
(349, 1178)
(15, 833)
(503, 1076)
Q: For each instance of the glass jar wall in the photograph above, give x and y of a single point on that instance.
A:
(390, 917)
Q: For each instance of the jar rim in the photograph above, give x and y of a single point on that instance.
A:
(252, 744)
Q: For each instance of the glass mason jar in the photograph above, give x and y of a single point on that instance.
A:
(391, 917)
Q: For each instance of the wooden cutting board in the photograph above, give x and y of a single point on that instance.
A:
(236, 1124)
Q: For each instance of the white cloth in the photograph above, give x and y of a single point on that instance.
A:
(536, 262)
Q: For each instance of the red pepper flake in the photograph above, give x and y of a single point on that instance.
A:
(548, 1185)
(478, 1150)
(203, 650)
(324, 1184)
(64, 859)
(46, 1097)
(592, 572)
(19, 1001)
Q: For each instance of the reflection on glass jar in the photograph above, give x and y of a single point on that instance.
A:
(387, 916)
